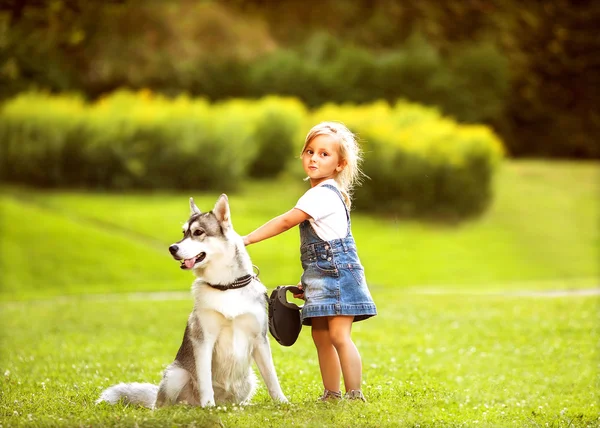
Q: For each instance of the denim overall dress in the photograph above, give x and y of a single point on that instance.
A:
(333, 279)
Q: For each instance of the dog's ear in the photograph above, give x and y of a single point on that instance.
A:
(193, 208)
(221, 210)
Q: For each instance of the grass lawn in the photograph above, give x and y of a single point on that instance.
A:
(454, 344)
(541, 232)
(429, 360)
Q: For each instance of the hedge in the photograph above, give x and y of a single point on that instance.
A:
(128, 141)
(419, 163)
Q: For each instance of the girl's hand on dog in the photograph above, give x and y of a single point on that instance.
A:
(301, 295)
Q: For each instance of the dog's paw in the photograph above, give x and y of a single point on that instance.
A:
(282, 399)
(207, 403)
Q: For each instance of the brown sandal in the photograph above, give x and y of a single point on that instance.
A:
(355, 394)
(330, 396)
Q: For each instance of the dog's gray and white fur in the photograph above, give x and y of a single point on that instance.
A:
(224, 332)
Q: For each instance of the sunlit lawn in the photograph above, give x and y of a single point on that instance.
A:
(541, 232)
(453, 345)
(430, 360)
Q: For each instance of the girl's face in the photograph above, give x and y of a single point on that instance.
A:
(321, 159)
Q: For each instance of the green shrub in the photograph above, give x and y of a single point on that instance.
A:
(470, 84)
(350, 76)
(126, 141)
(277, 125)
(413, 72)
(152, 142)
(418, 162)
(35, 130)
(286, 73)
(479, 85)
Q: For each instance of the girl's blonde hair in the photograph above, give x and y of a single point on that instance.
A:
(349, 151)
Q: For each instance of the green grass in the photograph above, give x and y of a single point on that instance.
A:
(453, 344)
(541, 232)
(430, 360)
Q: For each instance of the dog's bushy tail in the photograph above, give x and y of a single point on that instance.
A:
(142, 394)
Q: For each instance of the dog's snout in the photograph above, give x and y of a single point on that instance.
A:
(173, 249)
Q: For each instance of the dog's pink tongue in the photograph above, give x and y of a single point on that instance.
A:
(189, 263)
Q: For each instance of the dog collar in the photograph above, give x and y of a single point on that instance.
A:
(238, 283)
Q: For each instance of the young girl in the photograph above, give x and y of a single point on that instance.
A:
(333, 281)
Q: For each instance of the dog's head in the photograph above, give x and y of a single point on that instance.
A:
(206, 236)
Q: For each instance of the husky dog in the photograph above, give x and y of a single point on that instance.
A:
(226, 329)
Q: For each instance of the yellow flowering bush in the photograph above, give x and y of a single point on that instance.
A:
(419, 163)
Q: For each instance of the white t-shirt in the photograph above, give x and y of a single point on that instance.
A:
(327, 211)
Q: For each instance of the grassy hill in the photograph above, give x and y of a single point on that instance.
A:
(541, 232)
(465, 357)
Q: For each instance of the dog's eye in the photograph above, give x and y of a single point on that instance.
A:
(198, 232)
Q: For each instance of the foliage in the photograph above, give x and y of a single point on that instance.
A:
(144, 141)
(37, 132)
(159, 143)
(276, 131)
(418, 163)
(551, 107)
(252, 48)
(99, 47)
(127, 141)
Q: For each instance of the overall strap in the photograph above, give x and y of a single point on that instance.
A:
(337, 191)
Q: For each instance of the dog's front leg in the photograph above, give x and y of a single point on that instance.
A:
(264, 361)
(203, 352)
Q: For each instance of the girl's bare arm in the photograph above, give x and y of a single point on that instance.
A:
(276, 226)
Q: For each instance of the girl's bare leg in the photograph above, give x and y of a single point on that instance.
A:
(339, 331)
(329, 361)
